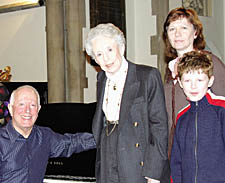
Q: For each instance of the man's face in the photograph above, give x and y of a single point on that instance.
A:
(195, 84)
(107, 54)
(25, 110)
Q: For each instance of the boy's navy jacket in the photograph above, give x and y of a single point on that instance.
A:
(198, 152)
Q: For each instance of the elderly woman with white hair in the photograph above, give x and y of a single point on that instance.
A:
(130, 123)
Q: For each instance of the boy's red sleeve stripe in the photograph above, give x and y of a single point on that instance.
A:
(171, 180)
(182, 112)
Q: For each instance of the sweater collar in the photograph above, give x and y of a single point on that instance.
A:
(201, 104)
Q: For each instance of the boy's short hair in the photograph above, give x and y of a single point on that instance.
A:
(194, 61)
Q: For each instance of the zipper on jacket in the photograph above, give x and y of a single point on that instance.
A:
(196, 142)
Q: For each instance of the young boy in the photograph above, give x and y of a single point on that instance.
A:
(198, 151)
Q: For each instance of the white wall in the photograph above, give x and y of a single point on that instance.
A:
(214, 29)
(140, 26)
(23, 44)
(174, 4)
(10, 2)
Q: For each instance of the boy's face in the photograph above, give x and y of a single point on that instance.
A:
(195, 84)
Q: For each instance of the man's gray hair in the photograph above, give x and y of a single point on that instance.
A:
(12, 97)
(108, 30)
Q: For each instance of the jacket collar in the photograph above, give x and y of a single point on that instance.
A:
(199, 105)
(129, 94)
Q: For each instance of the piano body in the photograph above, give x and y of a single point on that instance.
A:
(69, 118)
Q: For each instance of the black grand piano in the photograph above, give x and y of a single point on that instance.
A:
(69, 118)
